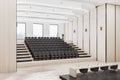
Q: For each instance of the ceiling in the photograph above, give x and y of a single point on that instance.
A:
(98, 2)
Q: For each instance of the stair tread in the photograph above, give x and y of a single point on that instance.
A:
(84, 55)
(25, 59)
(24, 56)
(80, 51)
(24, 53)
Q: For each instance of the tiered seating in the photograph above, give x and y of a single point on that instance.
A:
(45, 48)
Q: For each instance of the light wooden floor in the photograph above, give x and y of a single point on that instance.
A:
(45, 72)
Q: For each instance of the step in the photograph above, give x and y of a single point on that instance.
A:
(77, 49)
(25, 60)
(20, 54)
(80, 50)
(23, 56)
(20, 44)
(82, 53)
(83, 56)
(22, 50)
(20, 47)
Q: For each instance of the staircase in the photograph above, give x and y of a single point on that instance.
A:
(23, 54)
(81, 53)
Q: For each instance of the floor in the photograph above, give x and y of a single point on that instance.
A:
(45, 72)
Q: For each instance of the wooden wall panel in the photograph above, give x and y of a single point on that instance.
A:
(7, 35)
(117, 33)
(93, 32)
(86, 33)
(75, 31)
(80, 32)
(110, 33)
(70, 30)
(66, 31)
(101, 33)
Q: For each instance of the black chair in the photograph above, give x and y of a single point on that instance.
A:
(104, 68)
(84, 71)
(36, 56)
(94, 69)
(114, 67)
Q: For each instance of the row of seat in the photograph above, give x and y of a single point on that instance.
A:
(55, 49)
(42, 37)
(96, 69)
(46, 55)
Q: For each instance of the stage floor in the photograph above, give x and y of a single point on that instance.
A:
(108, 75)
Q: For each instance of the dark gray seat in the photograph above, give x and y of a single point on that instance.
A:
(94, 69)
(114, 67)
(104, 68)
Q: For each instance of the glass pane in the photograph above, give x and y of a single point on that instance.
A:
(37, 30)
(53, 30)
(20, 31)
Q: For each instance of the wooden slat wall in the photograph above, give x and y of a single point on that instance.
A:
(101, 33)
(110, 33)
(7, 35)
(86, 33)
(117, 33)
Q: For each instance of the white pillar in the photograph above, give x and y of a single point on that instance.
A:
(7, 35)
(46, 30)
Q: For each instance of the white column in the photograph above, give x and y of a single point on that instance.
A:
(60, 30)
(117, 33)
(29, 29)
(75, 30)
(86, 33)
(106, 33)
(93, 32)
(101, 33)
(80, 32)
(7, 35)
(110, 33)
(46, 30)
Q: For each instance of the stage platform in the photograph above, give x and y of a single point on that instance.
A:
(54, 62)
(101, 75)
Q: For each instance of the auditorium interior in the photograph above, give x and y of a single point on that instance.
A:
(59, 40)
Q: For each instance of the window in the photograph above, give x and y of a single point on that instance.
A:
(37, 30)
(53, 30)
(20, 31)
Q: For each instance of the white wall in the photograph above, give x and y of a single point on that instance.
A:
(7, 36)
